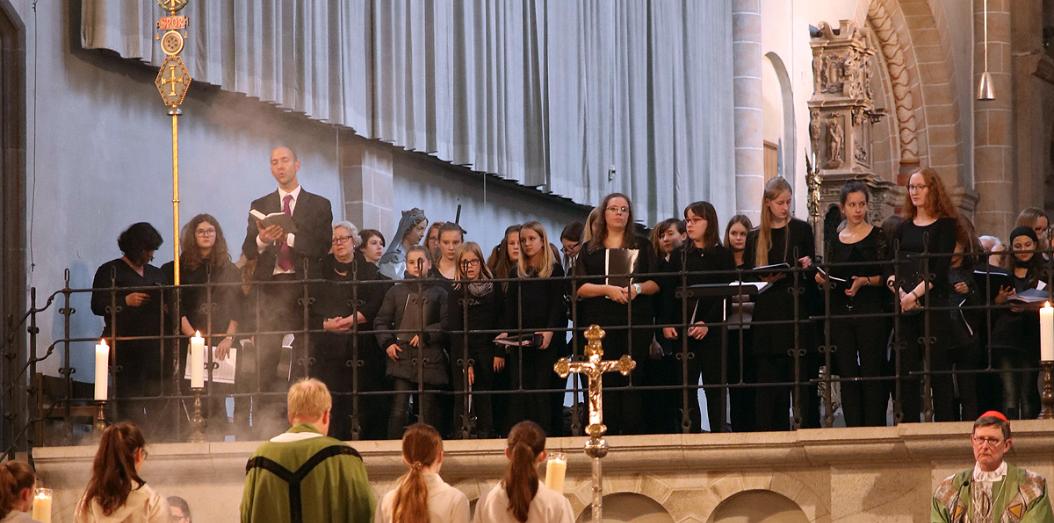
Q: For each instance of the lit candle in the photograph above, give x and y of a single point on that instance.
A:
(197, 361)
(102, 367)
(42, 505)
(555, 471)
(1046, 333)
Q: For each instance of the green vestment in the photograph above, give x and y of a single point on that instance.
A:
(1021, 497)
(302, 476)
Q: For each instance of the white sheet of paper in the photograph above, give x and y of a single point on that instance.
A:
(222, 371)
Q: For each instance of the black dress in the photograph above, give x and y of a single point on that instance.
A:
(937, 239)
(774, 343)
(709, 356)
(350, 362)
(860, 342)
(1015, 345)
(535, 304)
(476, 306)
(629, 327)
(138, 367)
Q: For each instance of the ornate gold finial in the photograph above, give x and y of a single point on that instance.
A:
(594, 345)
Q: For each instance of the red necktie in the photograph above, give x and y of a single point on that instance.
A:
(285, 253)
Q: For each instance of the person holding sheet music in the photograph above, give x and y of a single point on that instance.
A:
(346, 357)
(475, 304)
(779, 243)
(930, 226)
(535, 311)
(857, 289)
(1015, 335)
(967, 321)
(697, 342)
(611, 296)
(209, 299)
(410, 330)
(739, 340)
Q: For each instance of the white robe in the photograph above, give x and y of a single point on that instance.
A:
(548, 506)
(446, 504)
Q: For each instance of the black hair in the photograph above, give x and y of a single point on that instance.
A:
(137, 239)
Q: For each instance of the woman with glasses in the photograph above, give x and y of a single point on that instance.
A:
(346, 356)
(535, 313)
(930, 226)
(781, 243)
(115, 491)
(610, 294)
(210, 301)
(857, 289)
(475, 304)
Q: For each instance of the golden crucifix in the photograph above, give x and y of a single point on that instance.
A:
(594, 369)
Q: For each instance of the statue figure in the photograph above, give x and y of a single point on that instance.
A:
(834, 143)
(409, 233)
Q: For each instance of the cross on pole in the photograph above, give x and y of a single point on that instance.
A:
(172, 80)
(594, 369)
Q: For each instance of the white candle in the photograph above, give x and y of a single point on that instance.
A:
(555, 471)
(42, 505)
(1046, 333)
(197, 361)
(102, 367)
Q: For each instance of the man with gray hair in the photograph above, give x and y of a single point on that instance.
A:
(302, 475)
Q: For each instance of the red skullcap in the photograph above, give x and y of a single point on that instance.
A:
(995, 414)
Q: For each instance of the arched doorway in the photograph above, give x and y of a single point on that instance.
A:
(628, 507)
(758, 506)
(778, 119)
(12, 211)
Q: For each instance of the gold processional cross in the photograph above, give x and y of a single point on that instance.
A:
(594, 369)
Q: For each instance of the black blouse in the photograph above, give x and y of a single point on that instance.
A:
(589, 268)
(342, 300)
(144, 320)
(871, 248)
(694, 259)
(539, 302)
(224, 292)
(801, 243)
(935, 238)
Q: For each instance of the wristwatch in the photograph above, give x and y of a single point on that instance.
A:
(636, 288)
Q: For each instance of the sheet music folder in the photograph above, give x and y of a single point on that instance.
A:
(723, 290)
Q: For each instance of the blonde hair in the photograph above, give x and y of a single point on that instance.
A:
(470, 248)
(547, 258)
(308, 399)
(773, 189)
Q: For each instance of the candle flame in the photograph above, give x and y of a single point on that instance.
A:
(197, 334)
(1046, 305)
(102, 341)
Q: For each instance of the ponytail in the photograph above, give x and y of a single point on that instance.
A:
(526, 442)
(113, 471)
(421, 448)
(15, 477)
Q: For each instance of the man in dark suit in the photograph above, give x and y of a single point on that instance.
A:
(282, 256)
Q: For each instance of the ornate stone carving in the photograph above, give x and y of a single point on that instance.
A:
(893, 53)
(834, 143)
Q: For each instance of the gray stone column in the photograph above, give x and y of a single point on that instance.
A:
(746, 73)
(367, 177)
(993, 128)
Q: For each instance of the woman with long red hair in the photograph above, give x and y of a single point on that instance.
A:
(422, 496)
(115, 491)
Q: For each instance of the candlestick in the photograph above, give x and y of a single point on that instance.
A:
(42, 505)
(1046, 333)
(102, 367)
(197, 361)
(555, 471)
(1046, 395)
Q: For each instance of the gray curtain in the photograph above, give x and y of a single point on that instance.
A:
(547, 93)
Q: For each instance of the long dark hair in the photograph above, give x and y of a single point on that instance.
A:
(706, 211)
(190, 255)
(499, 263)
(113, 471)
(421, 447)
(526, 442)
(600, 225)
(15, 477)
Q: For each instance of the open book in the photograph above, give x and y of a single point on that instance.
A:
(833, 279)
(280, 219)
(1029, 296)
(222, 370)
(521, 340)
(750, 288)
(774, 268)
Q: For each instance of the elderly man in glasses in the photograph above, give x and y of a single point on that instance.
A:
(994, 490)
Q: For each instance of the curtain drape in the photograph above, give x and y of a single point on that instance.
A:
(546, 93)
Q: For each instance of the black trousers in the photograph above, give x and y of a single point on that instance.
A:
(741, 399)
(624, 409)
(531, 369)
(138, 375)
(482, 409)
(425, 405)
(912, 354)
(860, 352)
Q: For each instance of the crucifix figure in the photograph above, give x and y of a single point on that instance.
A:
(594, 369)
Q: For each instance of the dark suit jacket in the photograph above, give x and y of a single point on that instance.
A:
(313, 217)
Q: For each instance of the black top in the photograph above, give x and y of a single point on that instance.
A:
(537, 302)
(693, 260)
(144, 320)
(479, 307)
(871, 248)
(935, 238)
(783, 249)
(342, 300)
(603, 311)
(226, 296)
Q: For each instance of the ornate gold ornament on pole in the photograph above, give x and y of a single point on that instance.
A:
(594, 369)
(173, 81)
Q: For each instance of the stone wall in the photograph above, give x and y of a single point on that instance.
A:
(861, 475)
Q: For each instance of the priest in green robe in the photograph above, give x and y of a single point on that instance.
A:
(993, 490)
(302, 475)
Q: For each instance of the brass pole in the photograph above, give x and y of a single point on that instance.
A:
(175, 193)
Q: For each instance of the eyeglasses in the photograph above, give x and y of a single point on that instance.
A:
(470, 263)
(981, 441)
(618, 210)
(337, 240)
(919, 187)
(206, 232)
